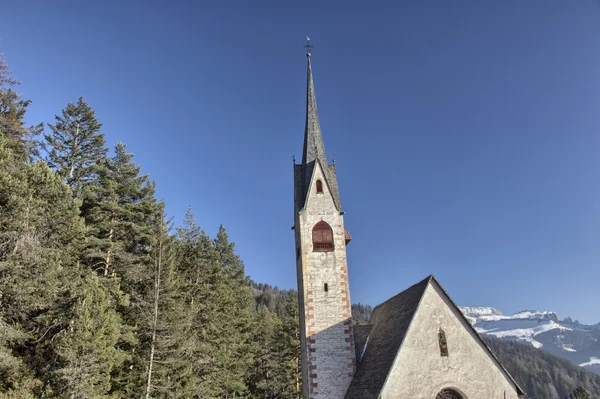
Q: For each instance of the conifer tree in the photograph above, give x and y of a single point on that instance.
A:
(263, 371)
(75, 146)
(121, 219)
(16, 136)
(169, 336)
(233, 300)
(288, 341)
(88, 349)
(41, 280)
(198, 271)
(580, 393)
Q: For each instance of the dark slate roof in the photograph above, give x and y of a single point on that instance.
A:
(314, 150)
(389, 323)
(385, 333)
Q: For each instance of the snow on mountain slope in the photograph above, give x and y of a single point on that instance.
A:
(568, 339)
(593, 360)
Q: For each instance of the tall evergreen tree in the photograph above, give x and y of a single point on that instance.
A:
(262, 376)
(121, 219)
(169, 334)
(88, 350)
(233, 300)
(121, 215)
(16, 136)
(41, 279)
(75, 145)
(198, 271)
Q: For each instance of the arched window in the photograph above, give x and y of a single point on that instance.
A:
(319, 187)
(448, 394)
(322, 237)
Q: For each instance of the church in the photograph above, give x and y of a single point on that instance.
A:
(417, 344)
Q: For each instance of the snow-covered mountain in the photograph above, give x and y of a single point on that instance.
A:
(565, 338)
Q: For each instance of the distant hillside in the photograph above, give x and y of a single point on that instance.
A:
(361, 313)
(565, 338)
(540, 374)
(271, 297)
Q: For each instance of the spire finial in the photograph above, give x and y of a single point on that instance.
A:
(308, 46)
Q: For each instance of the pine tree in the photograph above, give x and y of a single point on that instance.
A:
(233, 300)
(16, 136)
(197, 270)
(42, 281)
(121, 215)
(75, 146)
(170, 337)
(88, 349)
(121, 219)
(580, 393)
(288, 339)
(263, 372)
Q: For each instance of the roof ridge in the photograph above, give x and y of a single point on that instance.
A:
(428, 278)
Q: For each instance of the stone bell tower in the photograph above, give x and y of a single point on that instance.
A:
(327, 342)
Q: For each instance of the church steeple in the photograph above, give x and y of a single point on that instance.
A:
(314, 149)
(326, 337)
(313, 139)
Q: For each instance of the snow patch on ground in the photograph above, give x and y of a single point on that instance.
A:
(593, 360)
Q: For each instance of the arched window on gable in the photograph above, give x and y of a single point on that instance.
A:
(319, 187)
(448, 394)
(322, 237)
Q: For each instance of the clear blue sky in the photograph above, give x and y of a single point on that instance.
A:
(466, 133)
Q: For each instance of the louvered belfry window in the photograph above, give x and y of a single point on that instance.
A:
(322, 237)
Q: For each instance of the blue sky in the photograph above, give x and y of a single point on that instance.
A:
(466, 134)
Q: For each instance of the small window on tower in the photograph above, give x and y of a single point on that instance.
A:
(319, 187)
(326, 288)
(322, 237)
(443, 343)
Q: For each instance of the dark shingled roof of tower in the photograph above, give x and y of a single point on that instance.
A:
(314, 150)
(389, 323)
(384, 336)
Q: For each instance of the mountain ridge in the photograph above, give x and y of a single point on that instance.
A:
(571, 340)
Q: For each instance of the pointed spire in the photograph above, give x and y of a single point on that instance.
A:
(314, 150)
(313, 140)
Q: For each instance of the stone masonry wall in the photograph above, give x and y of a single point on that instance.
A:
(327, 342)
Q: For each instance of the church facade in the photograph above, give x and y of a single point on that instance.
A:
(417, 344)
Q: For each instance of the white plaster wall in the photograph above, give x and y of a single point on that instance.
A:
(326, 314)
(420, 372)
